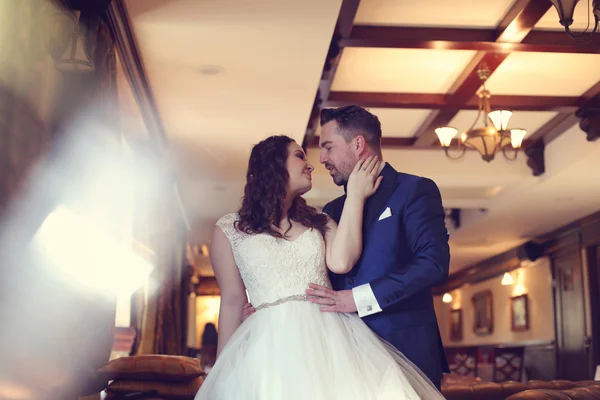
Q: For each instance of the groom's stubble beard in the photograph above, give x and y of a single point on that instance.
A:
(338, 179)
(340, 175)
(335, 174)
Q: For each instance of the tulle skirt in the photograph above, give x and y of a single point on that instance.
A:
(293, 351)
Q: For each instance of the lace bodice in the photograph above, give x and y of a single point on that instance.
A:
(272, 268)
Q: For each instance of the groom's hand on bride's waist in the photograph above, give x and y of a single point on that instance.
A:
(331, 300)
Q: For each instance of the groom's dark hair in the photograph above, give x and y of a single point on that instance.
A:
(353, 121)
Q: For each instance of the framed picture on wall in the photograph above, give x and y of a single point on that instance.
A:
(483, 316)
(456, 325)
(519, 313)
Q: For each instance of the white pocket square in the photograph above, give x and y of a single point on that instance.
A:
(386, 214)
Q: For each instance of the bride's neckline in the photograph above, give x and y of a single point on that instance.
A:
(283, 234)
(284, 238)
(297, 237)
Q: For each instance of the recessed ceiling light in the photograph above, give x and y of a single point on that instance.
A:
(211, 69)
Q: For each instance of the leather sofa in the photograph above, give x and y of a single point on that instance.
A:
(532, 390)
(576, 393)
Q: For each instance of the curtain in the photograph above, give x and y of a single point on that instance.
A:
(54, 334)
(161, 307)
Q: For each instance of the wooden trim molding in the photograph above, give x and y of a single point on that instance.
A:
(131, 60)
(129, 55)
(583, 232)
(536, 157)
(589, 115)
(550, 344)
(593, 271)
(481, 271)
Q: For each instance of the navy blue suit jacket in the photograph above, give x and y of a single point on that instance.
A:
(403, 257)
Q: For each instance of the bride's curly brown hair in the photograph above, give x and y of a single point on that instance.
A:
(266, 188)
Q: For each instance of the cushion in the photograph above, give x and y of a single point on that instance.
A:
(155, 367)
(112, 396)
(454, 379)
(166, 390)
(97, 396)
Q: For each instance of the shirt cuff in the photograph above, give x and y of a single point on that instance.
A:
(364, 298)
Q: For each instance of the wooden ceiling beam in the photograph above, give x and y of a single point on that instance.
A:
(513, 28)
(461, 39)
(342, 30)
(464, 88)
(401, 143)
(564, 120)
(386, 142)
(442, 102)
(554, 128)
(513, 13)
(557, 38)
(537, 142)
(520, 20)
(591, 94)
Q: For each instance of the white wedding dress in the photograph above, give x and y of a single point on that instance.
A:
(290, 350)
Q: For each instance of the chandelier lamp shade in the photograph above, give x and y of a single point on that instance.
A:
(489, 137)
(566, 9)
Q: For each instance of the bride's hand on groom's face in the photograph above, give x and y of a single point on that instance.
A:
(364, 181)
(331, 300)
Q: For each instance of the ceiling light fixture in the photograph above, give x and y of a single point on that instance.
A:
(492, 137)
(566, 9)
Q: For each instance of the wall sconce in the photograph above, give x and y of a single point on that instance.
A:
(204, 250)
(75, 58)
(507, 279)
(519, 288)
(447, 298)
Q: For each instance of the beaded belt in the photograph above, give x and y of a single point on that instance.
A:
(296, 297)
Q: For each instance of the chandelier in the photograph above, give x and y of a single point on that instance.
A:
(566, 8)
(488, 139)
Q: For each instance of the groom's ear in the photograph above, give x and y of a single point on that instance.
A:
(359, 145)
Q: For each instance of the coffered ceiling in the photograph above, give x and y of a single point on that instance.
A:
(226, 74)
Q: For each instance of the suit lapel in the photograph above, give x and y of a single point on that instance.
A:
(375, 203)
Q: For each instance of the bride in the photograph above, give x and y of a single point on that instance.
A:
(273, 248)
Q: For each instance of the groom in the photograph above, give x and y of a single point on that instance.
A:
(405, 245)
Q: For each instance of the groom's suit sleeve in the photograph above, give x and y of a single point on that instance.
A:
(426, 232)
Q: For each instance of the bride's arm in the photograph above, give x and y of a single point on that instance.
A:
(233, 292)
(344, 242)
